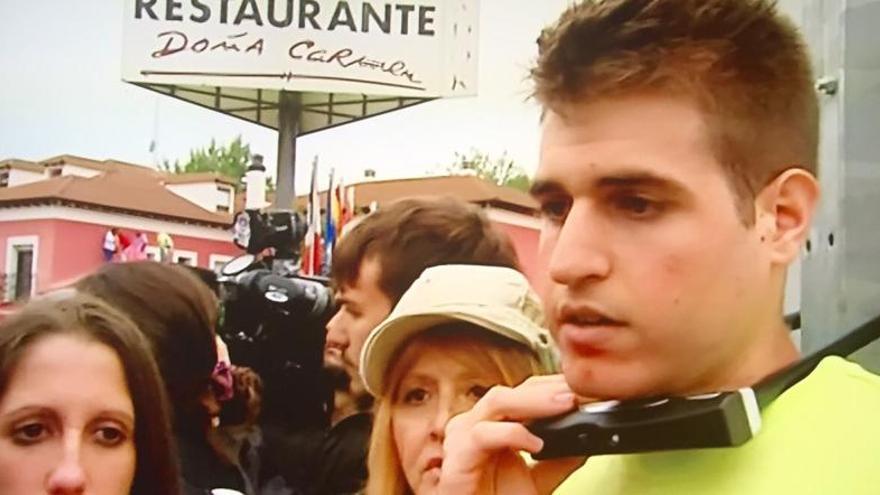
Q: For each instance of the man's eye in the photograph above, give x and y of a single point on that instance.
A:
(110, 436)
(415, 396)
(555, 210)
(638, 206)
(30, 433)
(352, 310)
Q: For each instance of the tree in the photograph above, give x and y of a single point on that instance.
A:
(502, 170)
(231, 160)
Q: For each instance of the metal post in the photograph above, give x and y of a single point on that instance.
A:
(841, 276)
(289, 111)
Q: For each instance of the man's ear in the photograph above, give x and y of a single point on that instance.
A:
(784, 213)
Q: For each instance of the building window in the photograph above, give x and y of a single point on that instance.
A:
(217, 261)
(24, 272)
(4, 178)
(21, 268)
(55, 172)
(224, 199)
(184, 257)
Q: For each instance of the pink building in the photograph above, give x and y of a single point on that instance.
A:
(54, 215)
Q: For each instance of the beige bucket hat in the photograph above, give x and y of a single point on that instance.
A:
(497, 299)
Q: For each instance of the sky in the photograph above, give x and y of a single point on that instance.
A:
(61, 93)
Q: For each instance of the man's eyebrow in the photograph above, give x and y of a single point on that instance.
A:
(542, 186)
(641, 179)
(633, 179)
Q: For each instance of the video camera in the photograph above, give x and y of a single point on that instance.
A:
(273, 317)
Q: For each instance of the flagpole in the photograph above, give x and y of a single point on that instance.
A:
(330, 228)
(311, 258)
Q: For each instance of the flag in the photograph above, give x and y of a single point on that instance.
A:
(311, 258)
(331, 222)
(336, 207)
(346, 206)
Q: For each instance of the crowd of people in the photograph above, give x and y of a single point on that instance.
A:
(118, 245)
(677, 183)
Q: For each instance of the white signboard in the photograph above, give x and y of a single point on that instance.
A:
(419, 48)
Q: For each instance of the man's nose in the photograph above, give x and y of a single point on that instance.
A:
(580, 251)
(68, 477)
(334, 328)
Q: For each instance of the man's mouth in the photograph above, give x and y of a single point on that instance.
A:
(334, 357)
(586, 315)
(434, 463)
(333, 351)
(586, 329)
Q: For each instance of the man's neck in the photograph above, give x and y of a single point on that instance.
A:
(350, 396)
(343, 407)
(773, 351)
(348, 403)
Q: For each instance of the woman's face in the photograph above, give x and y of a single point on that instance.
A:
(441, 383)
(67, 421)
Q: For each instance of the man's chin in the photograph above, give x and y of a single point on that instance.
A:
(333, 360)
(606, 382)
(333, 366)
(337, 375)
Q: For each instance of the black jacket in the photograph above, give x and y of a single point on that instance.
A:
(318, 462)
(201, 470)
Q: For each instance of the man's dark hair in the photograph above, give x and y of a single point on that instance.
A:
(410, 235)
(741, 61)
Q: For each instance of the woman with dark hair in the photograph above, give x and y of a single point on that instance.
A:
(177, 313)
(82, 408)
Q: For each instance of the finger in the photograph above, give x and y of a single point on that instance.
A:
(496, 435)
(528, 401)
(542, 381)
(467, 454)
(467, 447)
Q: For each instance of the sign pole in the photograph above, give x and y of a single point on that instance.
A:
(289, 112)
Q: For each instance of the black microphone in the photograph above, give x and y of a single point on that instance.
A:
(720, 419)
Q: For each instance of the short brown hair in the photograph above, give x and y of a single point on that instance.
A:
(744, 64)
(412, 234)
(177, 313)
(80, 315)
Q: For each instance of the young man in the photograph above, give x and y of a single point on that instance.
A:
(377, 261)
(373, 265)
(677, 182)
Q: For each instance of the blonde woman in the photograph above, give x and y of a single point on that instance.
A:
(457, 332)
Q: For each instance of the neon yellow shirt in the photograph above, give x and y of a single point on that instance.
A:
(822, 436)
